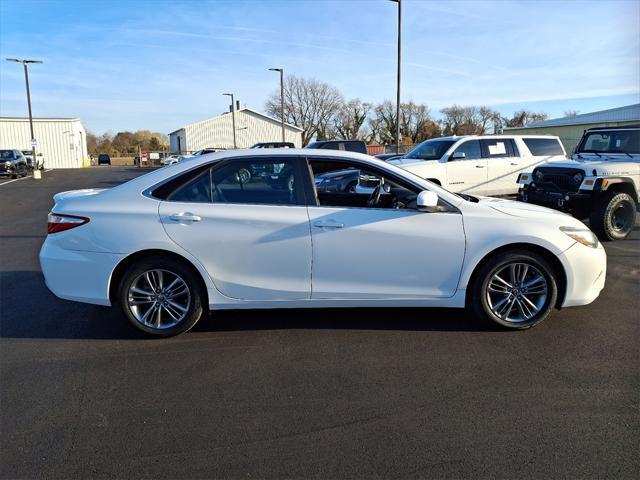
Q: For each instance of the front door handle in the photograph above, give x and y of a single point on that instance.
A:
(321, 224)
(479, 166)
(185, 217)
(515, 164)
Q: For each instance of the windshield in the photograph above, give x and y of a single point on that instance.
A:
(611, 141)
(6, 154)
(430, 150)
(27, 152)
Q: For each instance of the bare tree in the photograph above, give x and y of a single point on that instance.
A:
(469, 120)
(524, 117)
(571, 113)
(308, 104)
(385, 122)
(350, 119)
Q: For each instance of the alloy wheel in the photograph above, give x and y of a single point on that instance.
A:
(517, 292)
(159, 299)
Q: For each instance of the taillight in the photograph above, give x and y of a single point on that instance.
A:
(60, 223)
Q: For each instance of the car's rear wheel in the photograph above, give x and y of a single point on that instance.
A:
(614, 216)
(161, 296)
(515, 289)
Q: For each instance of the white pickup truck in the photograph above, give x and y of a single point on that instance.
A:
(482, 165)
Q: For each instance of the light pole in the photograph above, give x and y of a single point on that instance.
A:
(34, 161)
(281, 70)
(399, 2)
(233, 118)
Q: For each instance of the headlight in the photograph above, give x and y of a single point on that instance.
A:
(7, 163)
(578, 177)
(582, 235)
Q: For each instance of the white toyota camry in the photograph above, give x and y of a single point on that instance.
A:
(250, 229)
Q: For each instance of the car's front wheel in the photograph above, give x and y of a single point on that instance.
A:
(515, 289)
(161, 296)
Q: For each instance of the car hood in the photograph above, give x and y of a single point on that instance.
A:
(525, 210)
(338, 173)
(615, 165)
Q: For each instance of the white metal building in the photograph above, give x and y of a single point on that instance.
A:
(251, 127)
(62, 141)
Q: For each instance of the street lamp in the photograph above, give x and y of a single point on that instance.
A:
(281, 70)
(399, 2)
(25, 62)
(233, 118)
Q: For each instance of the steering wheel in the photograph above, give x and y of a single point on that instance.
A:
(375, 196)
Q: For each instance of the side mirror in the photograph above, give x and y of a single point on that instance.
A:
(426, 200)
(458, 156)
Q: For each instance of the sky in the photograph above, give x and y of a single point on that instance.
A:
(158, 64)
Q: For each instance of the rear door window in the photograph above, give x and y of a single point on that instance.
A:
(498, 148)
(540, 147)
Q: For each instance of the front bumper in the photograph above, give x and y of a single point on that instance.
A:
(77, 275)
(586, 269)
(577, 203)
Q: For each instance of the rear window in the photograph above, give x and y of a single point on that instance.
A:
(543, 146)
(103, 157)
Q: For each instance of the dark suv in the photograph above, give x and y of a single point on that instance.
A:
(13, 163)
(345, 145)
(104, 159)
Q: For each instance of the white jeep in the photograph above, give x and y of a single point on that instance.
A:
(482, 165)
(601, 181)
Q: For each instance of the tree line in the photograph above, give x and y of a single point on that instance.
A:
(126, 143)
(323, 112)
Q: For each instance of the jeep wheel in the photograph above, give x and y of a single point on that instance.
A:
(613, 216)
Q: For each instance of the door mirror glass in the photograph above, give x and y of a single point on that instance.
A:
(427, 200)
(458, 156)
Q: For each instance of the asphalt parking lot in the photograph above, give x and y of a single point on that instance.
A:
(362, 393)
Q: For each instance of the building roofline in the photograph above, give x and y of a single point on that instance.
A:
(241, 110)
(582, 119)
(41, 119)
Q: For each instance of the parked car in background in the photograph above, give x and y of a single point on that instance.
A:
(337, 181)
(483, 165)
(104, 159)
(600, 182)
(28, 156)
(171, 159)
(203, 151)
(171, 245)
(274, 145)
(13, 164)
(388, 156)
(357, 146)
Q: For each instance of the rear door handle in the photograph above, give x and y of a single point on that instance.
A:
(515, 164)
(321, 224)
(479, 166)
(186, 217)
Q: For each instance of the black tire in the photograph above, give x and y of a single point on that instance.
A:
(613, 216)
(479, 298)
(195, 310)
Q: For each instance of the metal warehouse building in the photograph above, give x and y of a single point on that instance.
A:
(570, 129)
(251, 127)
(62, 141)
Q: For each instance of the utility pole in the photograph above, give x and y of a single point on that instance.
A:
(233, 119)
(281, 70)
(399, 2)
(34, 160)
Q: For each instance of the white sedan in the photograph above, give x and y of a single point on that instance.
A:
(248, 229)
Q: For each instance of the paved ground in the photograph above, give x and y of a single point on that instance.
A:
(366, 393)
